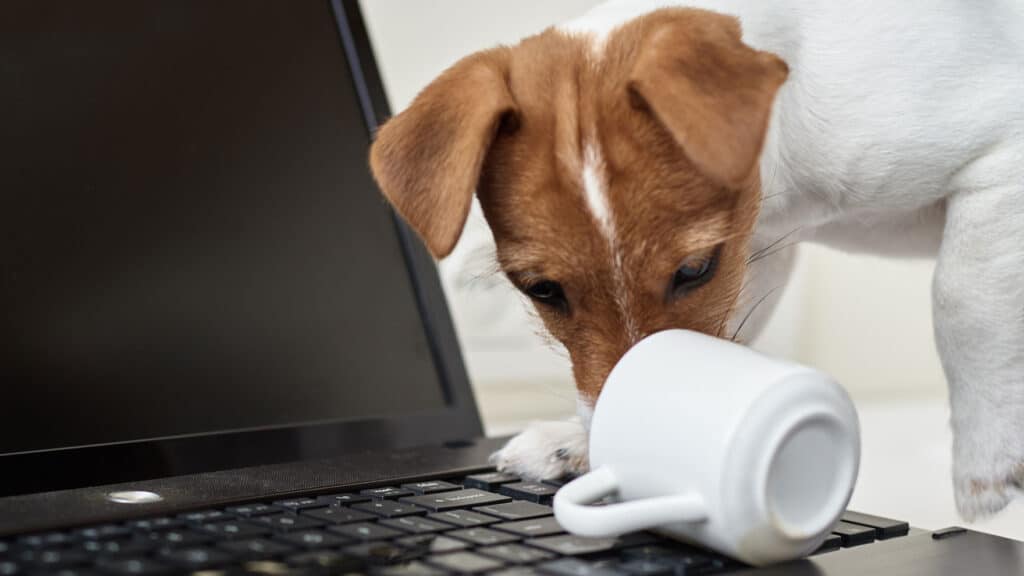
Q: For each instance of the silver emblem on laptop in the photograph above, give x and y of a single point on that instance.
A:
(134, 497)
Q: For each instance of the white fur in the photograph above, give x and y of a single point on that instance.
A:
(901, 131)
(595, 190)
(549, 450)
(594, 178)
(584, 411)
(545, 450)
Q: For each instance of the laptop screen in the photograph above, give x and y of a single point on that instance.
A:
(192, 243)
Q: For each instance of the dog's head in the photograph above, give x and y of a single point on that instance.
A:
(620, 181)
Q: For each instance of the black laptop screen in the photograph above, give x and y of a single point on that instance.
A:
(190, 241)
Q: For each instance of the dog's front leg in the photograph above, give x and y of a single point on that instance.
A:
(545, 450)
(978, 307)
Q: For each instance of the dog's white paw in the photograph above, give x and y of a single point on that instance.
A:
(545, 450)
(979, 495)
(988, 464)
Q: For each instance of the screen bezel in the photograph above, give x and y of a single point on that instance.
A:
(76, 467)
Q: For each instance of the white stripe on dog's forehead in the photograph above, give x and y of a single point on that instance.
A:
(595, 190)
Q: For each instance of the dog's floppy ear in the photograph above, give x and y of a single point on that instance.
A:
(711, 91)
(427, 160)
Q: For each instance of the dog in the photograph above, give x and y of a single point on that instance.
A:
(641, 168)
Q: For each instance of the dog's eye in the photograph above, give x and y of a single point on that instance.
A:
(694, 271)
(691, 271)
(546, 292)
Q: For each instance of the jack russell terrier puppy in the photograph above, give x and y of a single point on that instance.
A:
(641, 167)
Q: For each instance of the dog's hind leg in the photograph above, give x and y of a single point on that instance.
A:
(978, 307)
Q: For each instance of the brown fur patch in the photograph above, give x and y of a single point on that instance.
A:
(678, 108)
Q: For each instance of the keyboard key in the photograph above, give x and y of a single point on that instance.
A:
(386, 492)
(410, 569)
(47, 539)
(646, 567)
(517, 571)
(389, 508)
(465, 562)
(833, 542)
(489, 480)
(132, 547)
(72, 571)
(253, 510)
(572, 545)
(9, 568)
(333, 562)
(289, 522)
(431, 487)
(314, 539)
(457, 499)
(884, 527)
(415, 525)
(4, 547)
(196, 557)
(104, 532)
(515, 554)
(432, 544)
(365, 531)
(141, 566)
(161, 523)
(516, 510)
(179, 537)
(463, 518)
(343, 499)
(54, 557)
(234, 529)
(683, 558)
(296, 504)
(483, 536)
(256, 548)
(576, 567)
(649, 567)
(263, 567)
(854, 534)
(204, 516)
(546, 526)
(378, 553)
(338, 515)
(950, 532)
(538, 492)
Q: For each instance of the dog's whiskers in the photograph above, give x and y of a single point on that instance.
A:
(767, 250)
(727, 313)
(764, 255)
(751, 312)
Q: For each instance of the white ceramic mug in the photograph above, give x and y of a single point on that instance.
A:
(707, 441)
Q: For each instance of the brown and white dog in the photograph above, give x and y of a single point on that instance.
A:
(639, 167)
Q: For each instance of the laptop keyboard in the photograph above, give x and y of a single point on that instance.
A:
(490, 523)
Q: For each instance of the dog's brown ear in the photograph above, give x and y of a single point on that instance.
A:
(427, 160)
(711, 91)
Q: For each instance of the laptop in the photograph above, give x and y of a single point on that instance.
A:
(223, 354)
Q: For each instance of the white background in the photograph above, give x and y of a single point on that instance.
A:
(865, 320)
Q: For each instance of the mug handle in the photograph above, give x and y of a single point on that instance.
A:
(574, 515)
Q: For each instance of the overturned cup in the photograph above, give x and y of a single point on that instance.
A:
(712, 443)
